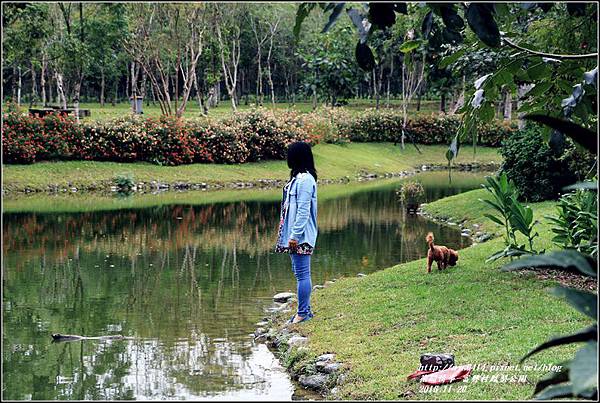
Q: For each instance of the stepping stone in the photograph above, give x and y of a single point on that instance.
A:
(318, 287)
(315, 382)
(283, 296)
(327, 367)
(361, 275)
(326, 357)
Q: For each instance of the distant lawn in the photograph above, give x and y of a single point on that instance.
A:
(332, 161)
(379, 325)
(224, 108)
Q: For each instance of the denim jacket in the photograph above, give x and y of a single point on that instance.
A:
(300, 220)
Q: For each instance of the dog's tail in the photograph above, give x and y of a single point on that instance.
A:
(429, 239)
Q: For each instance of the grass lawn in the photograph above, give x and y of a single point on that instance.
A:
(379, 325)
(332, 161)
(224, 108)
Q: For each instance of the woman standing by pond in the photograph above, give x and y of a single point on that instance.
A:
(298, 222)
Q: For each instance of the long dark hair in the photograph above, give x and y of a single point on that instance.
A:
(300, 159)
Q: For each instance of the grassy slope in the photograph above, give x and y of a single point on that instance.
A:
(333, 162)
(379, 325)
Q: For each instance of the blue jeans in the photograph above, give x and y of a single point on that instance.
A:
(301, 268)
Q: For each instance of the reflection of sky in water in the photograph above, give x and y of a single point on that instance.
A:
(188, 283)
(153, 377)
(156, 371)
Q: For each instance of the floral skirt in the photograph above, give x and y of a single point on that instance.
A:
(302, 249)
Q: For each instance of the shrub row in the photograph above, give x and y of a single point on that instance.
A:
(246, 136)
(373, 125)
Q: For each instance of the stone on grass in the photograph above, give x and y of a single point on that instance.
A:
(315, 382)
(283, 296)
(326, 357)
(327, 367)
(318, 287)
(361, 275)
(296, 341)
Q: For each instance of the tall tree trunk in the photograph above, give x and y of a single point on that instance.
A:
(115, 93)
(461, 98)
(419, 95)
(102, 85)
(507, 104)
(50, 93)
(133, 88)
(389, 80)
(43, 79)
(77, 94)
(14, 83)
(19, 85)
(443, 102)
(34, 93)
(60, 90)
(522, 89)
(259, 83)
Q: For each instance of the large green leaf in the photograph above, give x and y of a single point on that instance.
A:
(555, 392)
(554, 377)
(337, 10)
(448, 60)
(587, 334)
(487, 113)
(427, 25)
(303, 10)
(584, 368)
(409, 46)
(364, 56)
(538, 71)
(451, 19)
(480, 19)
(568, 260)
(584, 302)
(382, 15)
(582, 136)
(494, 219)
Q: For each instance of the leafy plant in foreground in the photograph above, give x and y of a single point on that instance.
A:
(502, 190)
(579, 376)
(512, 215)
(576, 225)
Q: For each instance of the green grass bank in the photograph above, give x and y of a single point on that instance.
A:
(379, 325)
(332, 161)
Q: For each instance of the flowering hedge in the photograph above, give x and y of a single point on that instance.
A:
(246, 136)
(386, 125)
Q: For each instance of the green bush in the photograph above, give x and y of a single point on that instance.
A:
(576, 225)
(534, 168)
(266, 135)
(492, 134)
(386, 125)
(434, 129)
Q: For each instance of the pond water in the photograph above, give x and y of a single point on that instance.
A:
(187, 283)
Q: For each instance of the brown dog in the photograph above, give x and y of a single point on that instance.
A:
(443, 255)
